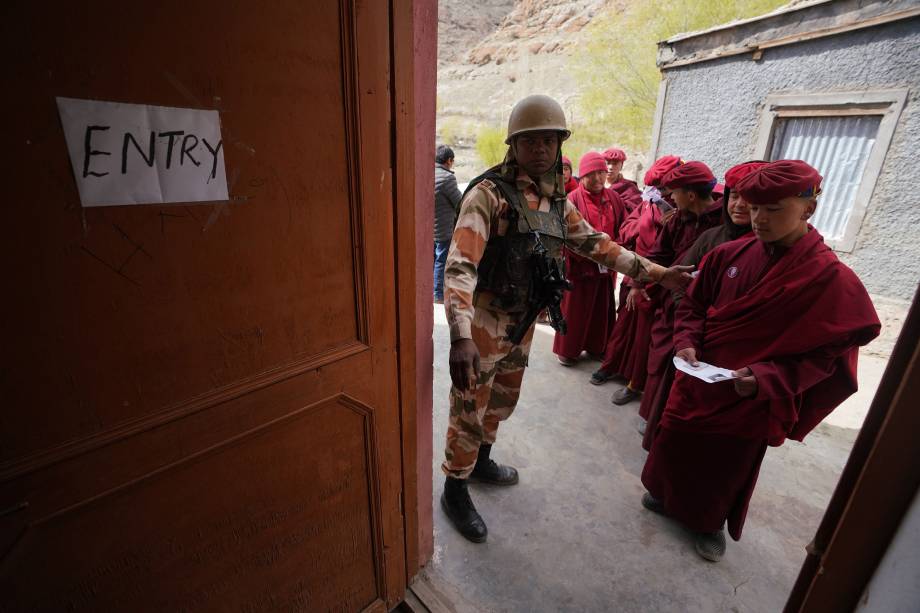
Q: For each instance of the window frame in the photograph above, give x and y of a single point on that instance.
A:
(886, 103)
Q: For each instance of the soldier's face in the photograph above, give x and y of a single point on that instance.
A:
(536, 151)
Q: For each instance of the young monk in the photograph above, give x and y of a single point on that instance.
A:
(571, 183)
(736, 222)
(781, 310)
(736, 219)
(589, 308)
(626, 189)
(690, 187)
(627, 348)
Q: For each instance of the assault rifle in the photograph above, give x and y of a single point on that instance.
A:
(546, 293)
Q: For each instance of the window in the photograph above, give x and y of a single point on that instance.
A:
(839, 147)
(844, 136)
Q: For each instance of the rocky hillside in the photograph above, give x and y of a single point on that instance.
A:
(463, 24)
(494, 52)
(535, 27)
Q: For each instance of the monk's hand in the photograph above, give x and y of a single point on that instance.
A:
(464, 363)
(688, 355)
(677, 277)
(746, 383)
(633, 296)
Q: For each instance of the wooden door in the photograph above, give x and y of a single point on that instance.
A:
(200, 406)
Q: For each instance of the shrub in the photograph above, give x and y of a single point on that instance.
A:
(490, 145)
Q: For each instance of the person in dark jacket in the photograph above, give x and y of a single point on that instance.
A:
(446, 203)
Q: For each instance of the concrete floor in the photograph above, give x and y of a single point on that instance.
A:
(572, 535)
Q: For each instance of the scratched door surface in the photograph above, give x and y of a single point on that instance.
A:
(199, 400)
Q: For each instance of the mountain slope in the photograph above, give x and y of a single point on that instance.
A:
(493, 53)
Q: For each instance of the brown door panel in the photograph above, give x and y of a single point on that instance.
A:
(71, 475)
(200, 400)
(169, 302)
(261, 520)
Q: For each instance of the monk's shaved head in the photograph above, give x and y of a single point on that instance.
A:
(783, 222)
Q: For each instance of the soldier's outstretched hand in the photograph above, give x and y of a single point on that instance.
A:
(677, 277)
(464, 363)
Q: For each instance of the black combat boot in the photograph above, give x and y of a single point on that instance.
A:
(487, 471)
(460, 511)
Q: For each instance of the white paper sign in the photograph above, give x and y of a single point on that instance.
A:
(704, 371)
(141, 154)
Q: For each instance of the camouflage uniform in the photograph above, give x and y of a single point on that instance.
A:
(476, 412)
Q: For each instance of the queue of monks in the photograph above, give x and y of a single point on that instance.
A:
(770, 302)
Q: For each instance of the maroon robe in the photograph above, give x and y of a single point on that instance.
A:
(675, 239)
(626, 353)
(589, 308)
(796, 317)
(629, 192)
(571, 185)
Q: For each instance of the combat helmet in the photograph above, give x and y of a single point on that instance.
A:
(536, 112)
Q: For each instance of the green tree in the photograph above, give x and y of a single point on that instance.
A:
(617, 103)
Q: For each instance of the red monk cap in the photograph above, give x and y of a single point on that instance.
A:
(591, 162)
(615, 155)
(691, 173)
(736, 173)
(660, 168)
(566, 161)
(781, 179)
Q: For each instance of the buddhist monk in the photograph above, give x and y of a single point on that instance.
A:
(626, 353)
(571, 183)
(781, 311)
(736, 219)
(690, 186)
(589, 309)
(626, 189)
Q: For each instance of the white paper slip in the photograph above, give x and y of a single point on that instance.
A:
(706, 372)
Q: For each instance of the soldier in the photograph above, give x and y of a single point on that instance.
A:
(507, 215)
